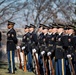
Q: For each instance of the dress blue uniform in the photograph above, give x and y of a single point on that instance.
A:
(68, 49)
(65, 44)
(26, 43)
(11, 46)
(50, 46)
(39, 53)
(59, 54)
(33, 45)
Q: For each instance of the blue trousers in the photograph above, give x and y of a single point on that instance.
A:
(53, 61)
(40, 60)
(67, 67)
(40, 63)
(58, 67)
(29, 64)
(75, 67)
(13, 61)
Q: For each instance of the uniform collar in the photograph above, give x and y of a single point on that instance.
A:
(49, 33)
(39, 33)
(26, 32)
(31, 31)
(54, 33)
(45, 34)
(10, 29)
(70, 34)
(60, 33)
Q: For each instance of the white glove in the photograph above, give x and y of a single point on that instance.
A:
(49, 53)
(23, 47)
(69, 55)
(42, 52)
(33, 50)
(18, 47)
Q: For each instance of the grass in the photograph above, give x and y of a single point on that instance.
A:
(4, 67)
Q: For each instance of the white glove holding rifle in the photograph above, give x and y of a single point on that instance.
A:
(43, 52)
(33, 50)
(23, 47)
(69, 56)
(49, 53)
(18, 47)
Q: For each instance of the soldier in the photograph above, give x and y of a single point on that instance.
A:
(39, 37)
(50, 52)
(59, 52)
(0, 38)
(68, 47)
(65, 47)
(34, 42)
(26, 46)
(11, 46)
(71, 49)
(44, 50)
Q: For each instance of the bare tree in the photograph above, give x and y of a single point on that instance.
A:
(37, 11)
(47, 11)
(8, 8)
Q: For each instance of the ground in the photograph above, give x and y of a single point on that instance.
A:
(4, 67)
(3, 61)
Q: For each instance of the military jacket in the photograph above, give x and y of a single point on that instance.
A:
(33, 39)
(11, 40)
(49, 42)
(26, 42)
(71, 48)
(59, 52)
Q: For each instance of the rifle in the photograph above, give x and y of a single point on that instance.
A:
(45, 70)
(72, 68)
(37, 64)
(20, 65)
(51, 66)
(24, 56)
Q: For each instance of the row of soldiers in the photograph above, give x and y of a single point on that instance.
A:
(49, 51)
(49, 41)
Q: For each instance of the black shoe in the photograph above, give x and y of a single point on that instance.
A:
(15, 69)
(8, 69)
(13, 73)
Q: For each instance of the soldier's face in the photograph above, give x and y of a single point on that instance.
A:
(31, 29)
(40, 29)
(45, 31)
(54, 30)
(50, 30)
(60, 30)
(9, 26)
(70, 31)
(66, 31)
(26, 30)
